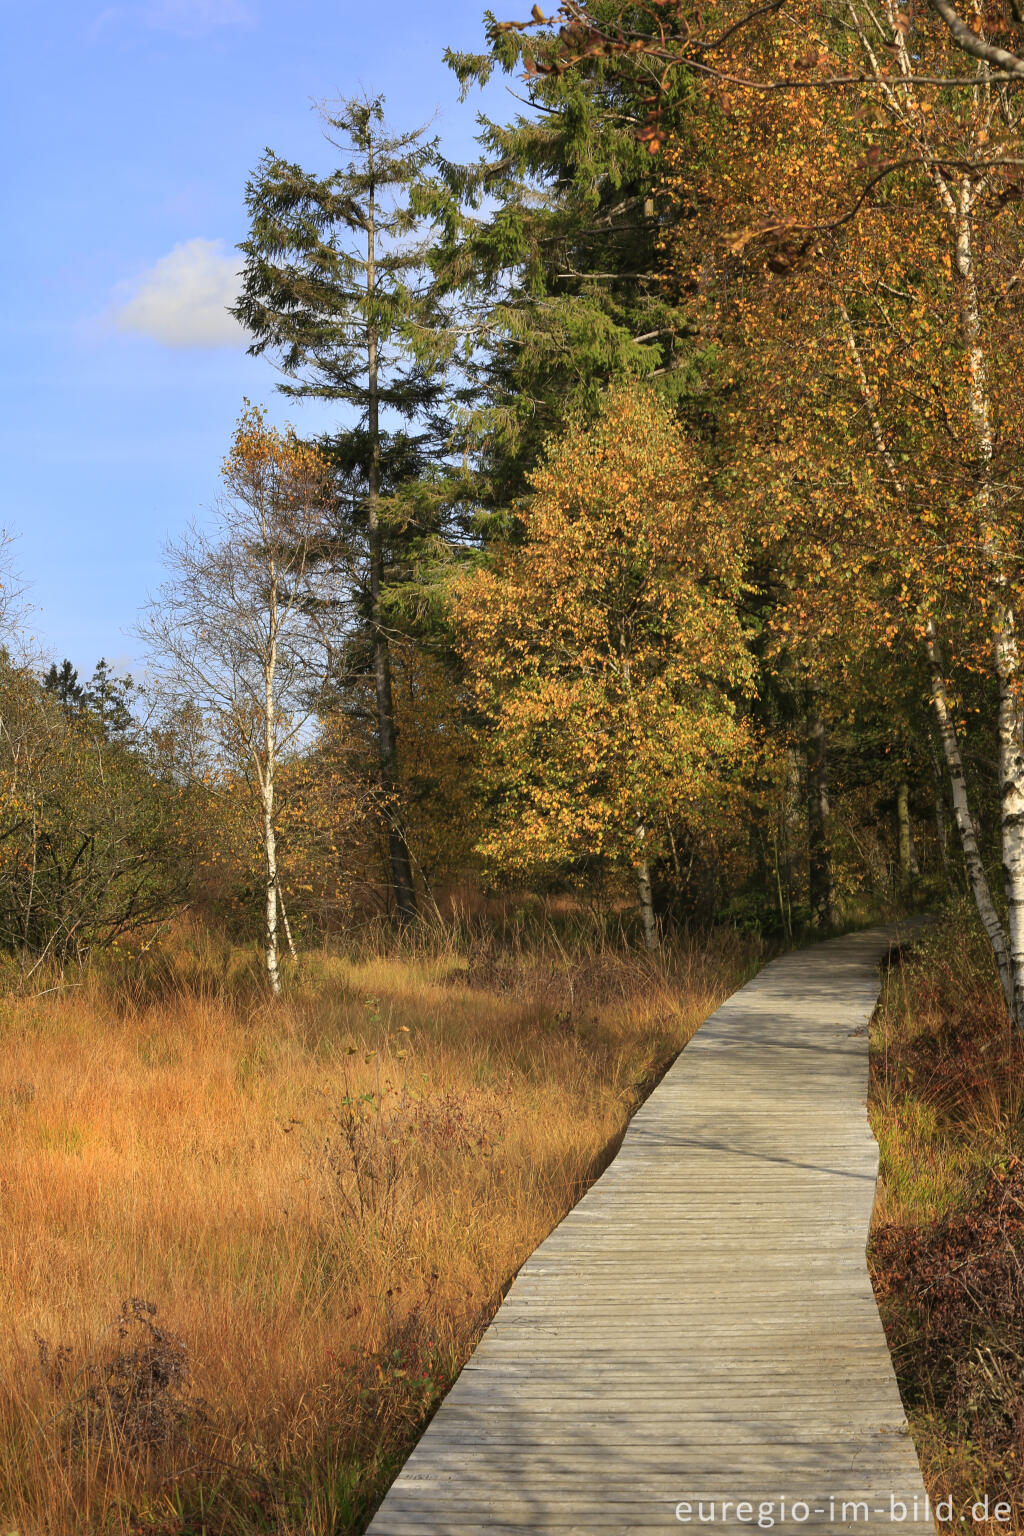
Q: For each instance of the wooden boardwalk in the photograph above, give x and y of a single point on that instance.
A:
(701, 1327)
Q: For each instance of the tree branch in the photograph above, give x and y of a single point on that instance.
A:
(968, 40)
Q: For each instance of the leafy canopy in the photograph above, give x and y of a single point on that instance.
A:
(605, 649)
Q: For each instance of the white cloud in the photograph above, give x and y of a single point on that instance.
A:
(185, 18)
(182, 300)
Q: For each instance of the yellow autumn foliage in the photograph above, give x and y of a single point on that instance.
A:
(605, 650)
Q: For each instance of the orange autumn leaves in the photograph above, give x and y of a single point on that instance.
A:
(866, 467)
(605, 650)
(282, 479)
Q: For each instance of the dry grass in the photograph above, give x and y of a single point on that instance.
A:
(947, 1106)
(322, 1199)
(947, 1079)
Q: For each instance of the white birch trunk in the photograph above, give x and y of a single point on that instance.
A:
(285, 924)
(1011, 765)
(939, 804)
(965, 825)
(1004, 632)
(270, 853)
(976, 876)
(267, 787)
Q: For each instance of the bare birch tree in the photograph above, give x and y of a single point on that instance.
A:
(12, 589)
(234, 628)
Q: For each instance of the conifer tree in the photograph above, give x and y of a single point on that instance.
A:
(333, 289)
(63, 682)
(551, 241)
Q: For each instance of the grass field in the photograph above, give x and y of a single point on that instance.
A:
(245, 1247)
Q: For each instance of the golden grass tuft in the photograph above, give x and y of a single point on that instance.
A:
(322, 1198)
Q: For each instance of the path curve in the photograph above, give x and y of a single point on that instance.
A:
(701, 1326)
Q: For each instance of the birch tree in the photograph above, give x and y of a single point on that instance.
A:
(871, 238)
(607, 653)
(936, 370)
(332, 289)
(235, 627)
(12, 588)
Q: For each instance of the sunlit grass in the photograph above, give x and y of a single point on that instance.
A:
(323, 1198)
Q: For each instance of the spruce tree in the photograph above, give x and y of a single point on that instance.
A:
(109, 699)
(63, 682)
(552, 243)
(333, 289)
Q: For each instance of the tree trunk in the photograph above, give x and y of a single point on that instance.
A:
(978, 402)
(286, 925)
(784, 919)
(909, 867)
(791, 811)
(677, 868)
(819, 855)
(1004, 632)
(643, 875)
(270, 853)
(398, 846)
(941, 825)
(1011, 765)
(26, 926)
(976, 876)
(941, 831)
(267, 791)
(643, 866)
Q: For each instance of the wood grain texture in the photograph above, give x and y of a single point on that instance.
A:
(701, 1326)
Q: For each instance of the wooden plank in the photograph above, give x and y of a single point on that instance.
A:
(701, 1326)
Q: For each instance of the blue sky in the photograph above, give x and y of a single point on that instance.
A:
(131, 129)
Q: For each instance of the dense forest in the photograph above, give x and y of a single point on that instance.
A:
(660, 575)
(666, 549)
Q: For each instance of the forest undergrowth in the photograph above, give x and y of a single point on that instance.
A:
(947, 1248)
